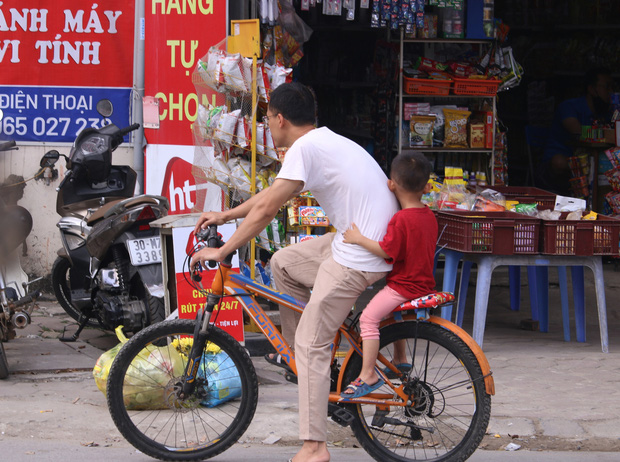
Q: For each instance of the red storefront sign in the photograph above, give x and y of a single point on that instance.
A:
(177, 34)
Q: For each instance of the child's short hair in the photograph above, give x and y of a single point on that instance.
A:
(411, 170)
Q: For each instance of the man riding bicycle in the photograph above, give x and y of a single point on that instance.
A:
(325, 273)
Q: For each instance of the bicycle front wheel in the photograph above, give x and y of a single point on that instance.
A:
(148, 408)
(449, 407)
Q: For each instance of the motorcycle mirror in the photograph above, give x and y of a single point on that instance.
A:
(104, 108)
(50, 158)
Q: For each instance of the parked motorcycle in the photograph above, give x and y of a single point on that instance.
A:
(109, 271)
(16, 300)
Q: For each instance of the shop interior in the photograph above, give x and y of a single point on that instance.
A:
(353, 69)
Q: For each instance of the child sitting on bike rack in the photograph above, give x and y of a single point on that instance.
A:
(409, 245)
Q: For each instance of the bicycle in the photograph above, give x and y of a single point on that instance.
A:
(436, 409)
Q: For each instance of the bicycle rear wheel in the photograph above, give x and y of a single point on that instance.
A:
(143, 393)
(449, 411)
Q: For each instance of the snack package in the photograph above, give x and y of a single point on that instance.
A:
(260, 138)
(240, 170)
(270, 147)
(227, 126)
(233, 74)
(476, 135)
(527, 209)
(429, 65)
(489, 200)
(213, 75)
(438, 128)
(312, 216)
(243, 132)
(263, 82)
(454, 194)
(455, 128)
(219, 173)
(281, 75)
(421, 130)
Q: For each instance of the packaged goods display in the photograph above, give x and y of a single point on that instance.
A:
(312, 216)
(455, 128)
(421, 133)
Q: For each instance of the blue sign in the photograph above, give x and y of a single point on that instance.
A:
(57, 114)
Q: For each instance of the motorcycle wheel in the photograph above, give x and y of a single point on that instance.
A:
(60, 283)
(157, 309)
(4, 363)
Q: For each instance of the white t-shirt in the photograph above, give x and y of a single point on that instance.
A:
(349, 185)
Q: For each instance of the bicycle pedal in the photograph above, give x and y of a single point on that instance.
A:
(378, 420)
(340, 415)
(290, 377)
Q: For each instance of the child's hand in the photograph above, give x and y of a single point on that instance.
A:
(352, 235)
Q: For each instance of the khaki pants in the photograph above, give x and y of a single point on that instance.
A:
(335, 288)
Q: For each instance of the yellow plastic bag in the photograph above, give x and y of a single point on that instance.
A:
(147, 376)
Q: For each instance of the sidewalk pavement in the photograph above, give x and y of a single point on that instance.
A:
(551, 395)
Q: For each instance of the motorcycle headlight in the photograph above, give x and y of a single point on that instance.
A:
(94, 145)
(73, 242)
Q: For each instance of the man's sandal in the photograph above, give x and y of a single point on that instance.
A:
(277, 360)
(360, 388)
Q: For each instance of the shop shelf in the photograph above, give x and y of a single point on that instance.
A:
(475, 87)
(496, 233)
(426, 86)
(545, 200)
(580, 237)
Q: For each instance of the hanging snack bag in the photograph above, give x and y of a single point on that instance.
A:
(240, 170)
(281, 75)
(421, 130)
(263, 82)
(233, 76)
(455, 128)
(219, 174)
(243, 132)
(260, 138)
(212, 68)
(270, 147)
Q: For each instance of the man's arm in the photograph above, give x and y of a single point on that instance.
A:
(263, 207)
(219, 218)
(572, 126)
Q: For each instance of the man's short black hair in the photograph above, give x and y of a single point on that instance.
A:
(296, 103)
(592, 75)
(411, 170)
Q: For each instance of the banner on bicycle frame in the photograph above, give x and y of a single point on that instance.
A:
(228, 315)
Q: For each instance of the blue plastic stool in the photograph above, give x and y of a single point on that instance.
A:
(451, 267)
(487, 263)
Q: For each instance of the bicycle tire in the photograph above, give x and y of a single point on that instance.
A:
(449, 397)
(4, 363)
(180, 429)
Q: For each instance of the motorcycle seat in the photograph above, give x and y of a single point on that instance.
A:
(102, 211)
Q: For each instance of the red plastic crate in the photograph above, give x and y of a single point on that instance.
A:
(476, 87)
(528, 195)
(434, 87)
(497, 233)
(582, 238)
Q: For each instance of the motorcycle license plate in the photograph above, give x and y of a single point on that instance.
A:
(144, 251)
